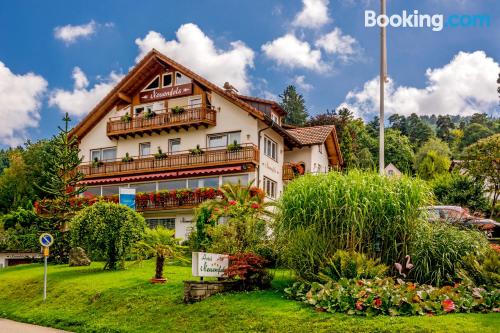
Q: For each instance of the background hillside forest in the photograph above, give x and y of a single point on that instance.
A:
(423, 146)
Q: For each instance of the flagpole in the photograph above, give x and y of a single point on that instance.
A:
(383, 77)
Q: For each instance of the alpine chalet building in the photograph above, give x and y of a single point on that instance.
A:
(165, 129)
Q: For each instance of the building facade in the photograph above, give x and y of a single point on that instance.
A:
(165, 128)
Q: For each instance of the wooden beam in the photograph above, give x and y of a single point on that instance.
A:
(124, 97)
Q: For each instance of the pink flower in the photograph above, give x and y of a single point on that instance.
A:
(232, 202)
(255, 205)
(359, 305)
(448, 305)
(378, 302)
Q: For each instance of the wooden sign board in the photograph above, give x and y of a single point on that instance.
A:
(209, 264)
(168, 92)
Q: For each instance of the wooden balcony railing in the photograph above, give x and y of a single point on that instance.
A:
(293, 170)
(162, 120)
(210, 157)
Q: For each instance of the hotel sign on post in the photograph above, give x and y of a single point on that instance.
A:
(168, 92)
(209, 264)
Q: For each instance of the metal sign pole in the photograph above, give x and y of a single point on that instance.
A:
(45, 278)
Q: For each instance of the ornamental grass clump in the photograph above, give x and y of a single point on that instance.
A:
(356, 211)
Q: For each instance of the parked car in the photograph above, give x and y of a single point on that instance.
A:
(460, 216)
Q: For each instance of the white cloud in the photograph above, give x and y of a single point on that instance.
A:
(70, 33)
(294, 53)
(334, 42)
(464, 86)
(197, 51)
(21, 97)
(300, 81)
(82, 99)
(314, 14)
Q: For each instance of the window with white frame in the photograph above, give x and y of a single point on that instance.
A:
(142, 109)
(223, 139)
(194, 101)
(153, 84)
(270, 187)
(167, 80)
(181, 79)
(168, 223)
(174, 145)
(275, 118)
(270, 148)
(145, 149)
(103, 154)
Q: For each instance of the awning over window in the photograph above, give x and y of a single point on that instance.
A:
(162, 175)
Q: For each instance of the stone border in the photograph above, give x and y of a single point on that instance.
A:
(195, 291)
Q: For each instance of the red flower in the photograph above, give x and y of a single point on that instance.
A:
(448, 305)
(378, 302)
(360, 283)
(359, 305)
(232, 202)
(255, 205)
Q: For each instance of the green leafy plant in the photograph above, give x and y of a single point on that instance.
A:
(388, 297)
(438, 249)
(235, 146)
(108, 231)
(196, 151)
(96, 163)
(160, 243)
(149, 114)
(351, 265)
(126, 117)
(127, 158)
(160, 155)
(177, 110)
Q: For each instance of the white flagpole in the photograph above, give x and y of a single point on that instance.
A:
(383, 77)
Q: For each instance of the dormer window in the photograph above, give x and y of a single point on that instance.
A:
(275, 118)
(154, 84)
(181, 79)
(167, 80)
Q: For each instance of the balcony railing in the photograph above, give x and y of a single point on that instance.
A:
(210, 157)
(162, 120)
(293, 170)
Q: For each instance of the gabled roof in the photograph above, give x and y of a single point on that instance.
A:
(315, 135)
(152, 62)
(256, 100)
(311, 135)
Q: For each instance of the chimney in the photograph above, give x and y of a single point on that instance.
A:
(228, 88)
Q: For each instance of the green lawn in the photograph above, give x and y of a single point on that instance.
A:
(91, 300)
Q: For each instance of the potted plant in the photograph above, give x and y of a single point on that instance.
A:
(177, 109)
(160, 155)
(196, 151)
(96, 163)
(127, 158)
(149, 114)
(126, 117)
(162, 244)
(235, 146)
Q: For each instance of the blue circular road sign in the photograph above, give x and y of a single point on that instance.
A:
(46, 239)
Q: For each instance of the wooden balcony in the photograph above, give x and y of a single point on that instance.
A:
(293, 170)
(210, 157)
(163, 120)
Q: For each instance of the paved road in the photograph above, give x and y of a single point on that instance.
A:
(9, 326)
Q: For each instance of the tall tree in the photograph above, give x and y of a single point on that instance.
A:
(417, 131)
(433, 144)
(482, 162)
(444, 128)
(294, 104)
(398, 151)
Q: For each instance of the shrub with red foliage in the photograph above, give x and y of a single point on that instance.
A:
(249, 268)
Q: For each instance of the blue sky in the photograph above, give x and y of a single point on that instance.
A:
(64, 56)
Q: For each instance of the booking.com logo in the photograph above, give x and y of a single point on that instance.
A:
(416, 20)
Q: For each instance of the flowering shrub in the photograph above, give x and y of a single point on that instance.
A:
(250, 268)
(389, 297)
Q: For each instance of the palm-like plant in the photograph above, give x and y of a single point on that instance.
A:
(160, 243)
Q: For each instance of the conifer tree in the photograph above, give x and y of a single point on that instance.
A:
(294, 104)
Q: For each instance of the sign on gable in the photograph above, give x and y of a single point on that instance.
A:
(168, 92)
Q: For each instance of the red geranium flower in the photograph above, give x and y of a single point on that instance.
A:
(232, 202)
(359, 305)
(378, 302)
(448, 305)
(255, 205)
